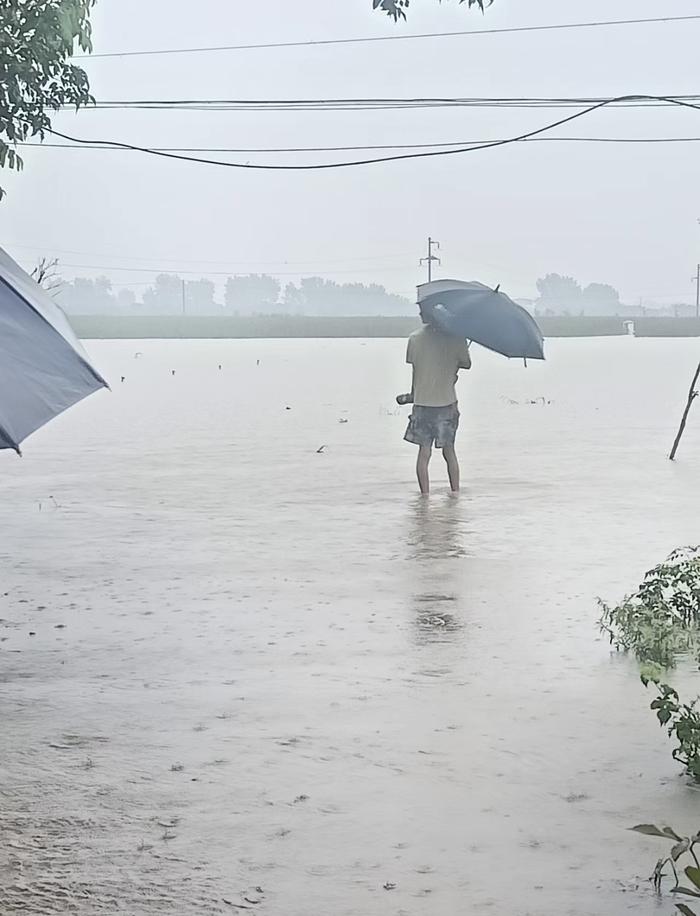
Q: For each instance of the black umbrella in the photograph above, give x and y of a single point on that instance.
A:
(484, 315)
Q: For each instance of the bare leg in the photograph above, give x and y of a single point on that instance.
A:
(424, 453)
(450, 456)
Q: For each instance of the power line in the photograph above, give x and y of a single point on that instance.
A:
(285, 263)
(229, 273)
(120, 285)
(390, 38)
(310, 263)
(393, 158)
(371, 104)
(346, 149)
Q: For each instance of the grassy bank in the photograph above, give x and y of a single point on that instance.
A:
(93, 327)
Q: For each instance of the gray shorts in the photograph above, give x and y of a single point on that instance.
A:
(433, 426)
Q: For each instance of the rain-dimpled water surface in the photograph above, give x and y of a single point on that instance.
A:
(244, 666)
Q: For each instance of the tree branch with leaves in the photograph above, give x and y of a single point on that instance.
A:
(397, 8)
(37, 40)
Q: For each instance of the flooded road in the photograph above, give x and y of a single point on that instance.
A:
(237, 673)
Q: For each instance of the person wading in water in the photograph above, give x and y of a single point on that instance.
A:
(436, 359)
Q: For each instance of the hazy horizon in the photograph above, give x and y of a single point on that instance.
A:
(620, 214)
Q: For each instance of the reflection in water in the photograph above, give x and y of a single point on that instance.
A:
(436, 625)
(436, 529)
(435, 545)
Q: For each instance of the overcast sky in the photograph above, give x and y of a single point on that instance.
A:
(621, 214)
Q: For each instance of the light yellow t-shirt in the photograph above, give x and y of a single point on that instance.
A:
(436, 359)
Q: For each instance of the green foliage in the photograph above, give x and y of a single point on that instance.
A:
(397, 8)
(659, 624)
(683, 721)
(661, 621)
(683, 850)
(37, 39)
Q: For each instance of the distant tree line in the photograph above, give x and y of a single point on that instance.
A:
(262, 294)
(560, 295)
(255, 294)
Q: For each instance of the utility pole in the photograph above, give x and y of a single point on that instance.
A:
(431, 257)
(184, 308)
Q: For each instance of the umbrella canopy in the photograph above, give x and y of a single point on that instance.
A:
(484, 315)
(43, 368)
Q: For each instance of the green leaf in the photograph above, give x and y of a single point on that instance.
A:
(650, 673)
(686, 891)
(652, 830)
(685, 909)
(693, 872)
(37, 40)
(678, 851)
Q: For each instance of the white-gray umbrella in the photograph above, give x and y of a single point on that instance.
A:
(486, 316)
(43, 367)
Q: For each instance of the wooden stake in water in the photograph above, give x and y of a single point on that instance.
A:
(692, 394)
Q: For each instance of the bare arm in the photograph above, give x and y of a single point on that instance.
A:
(403, 399)
(465, 360)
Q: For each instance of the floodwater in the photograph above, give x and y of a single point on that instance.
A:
(237, 673)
